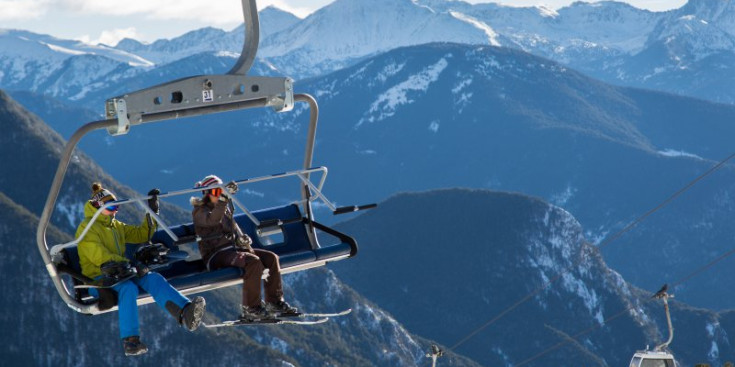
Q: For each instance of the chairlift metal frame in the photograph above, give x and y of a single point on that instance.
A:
(189, 97)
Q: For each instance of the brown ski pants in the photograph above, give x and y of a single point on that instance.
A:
(253, 265)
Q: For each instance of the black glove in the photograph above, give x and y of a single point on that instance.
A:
(116, 269)
(141, 268)
(231, 188)
(151, 254)
(153, 202)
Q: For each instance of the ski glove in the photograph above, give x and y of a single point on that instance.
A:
(153, 202)
(116, 269)
(150, 254)
(231, 188)
(141, 269)
(244, 243)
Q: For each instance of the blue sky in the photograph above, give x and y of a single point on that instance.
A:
(147, 20)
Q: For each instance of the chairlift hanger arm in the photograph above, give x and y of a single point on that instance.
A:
(199, 91)
(252, 38)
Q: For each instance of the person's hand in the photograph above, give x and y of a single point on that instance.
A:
(231, 187)
(150, 254)
(141, 269)
(153, 202)
(244, 243)
(114, 270)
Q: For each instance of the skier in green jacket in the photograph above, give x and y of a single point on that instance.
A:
(104, 245)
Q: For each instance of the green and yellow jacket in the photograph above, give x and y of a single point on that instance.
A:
(106, 240)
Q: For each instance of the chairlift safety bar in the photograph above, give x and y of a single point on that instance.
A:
(55, 251)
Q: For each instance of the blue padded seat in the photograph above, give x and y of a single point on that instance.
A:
(294, 250)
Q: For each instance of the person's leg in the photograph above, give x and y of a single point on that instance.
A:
(273, 285)
(127, 295)
(187, 313)
(252, 269)
(162, 292)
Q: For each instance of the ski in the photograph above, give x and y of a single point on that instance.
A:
(303, 315)
(267, 322)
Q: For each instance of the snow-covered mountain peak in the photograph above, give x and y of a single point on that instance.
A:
(546, 11)
(697, 30)
(371, 27)
(273, 10)
(18, 44)
(719, 13)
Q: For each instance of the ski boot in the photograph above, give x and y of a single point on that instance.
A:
(191, 315)
(281, 309)
(133, 346)
(254, 313)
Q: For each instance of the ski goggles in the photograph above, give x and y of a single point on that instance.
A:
(112, 208)
(216, 192)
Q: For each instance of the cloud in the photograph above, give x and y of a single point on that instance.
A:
(217, 12)
(298, 10)
(23, 9)
(111, 37)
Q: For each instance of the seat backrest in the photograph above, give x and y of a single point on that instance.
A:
(295, 238)
(71, 257)
(181, 231)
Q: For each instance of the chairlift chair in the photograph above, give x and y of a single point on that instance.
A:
(293, 226)
(659, 356)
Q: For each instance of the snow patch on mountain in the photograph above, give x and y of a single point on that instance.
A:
(492, 37)
(558, 251)
(63, 50)
(588, 295)
(563, 197)
(462, 99)
(71, 210)
(388, 71)
(387, 103)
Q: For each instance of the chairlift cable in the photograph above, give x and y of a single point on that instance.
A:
(603, 244)
(665, 202)
(613, 317)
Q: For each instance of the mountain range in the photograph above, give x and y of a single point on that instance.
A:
(476, 253)
(687, 51)
(45, 331)
(507, 108)
(450, 115)
(509, 280)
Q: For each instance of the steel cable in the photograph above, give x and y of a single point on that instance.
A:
(603, 244)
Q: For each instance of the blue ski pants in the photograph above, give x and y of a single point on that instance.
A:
(127, 295)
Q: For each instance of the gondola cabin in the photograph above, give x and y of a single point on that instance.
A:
(652, 359)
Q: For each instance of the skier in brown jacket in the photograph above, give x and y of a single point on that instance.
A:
(212, 217)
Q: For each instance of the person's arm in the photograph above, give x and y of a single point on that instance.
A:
(143, 232)
(139, 234)
(210, 218)
(93, 249)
